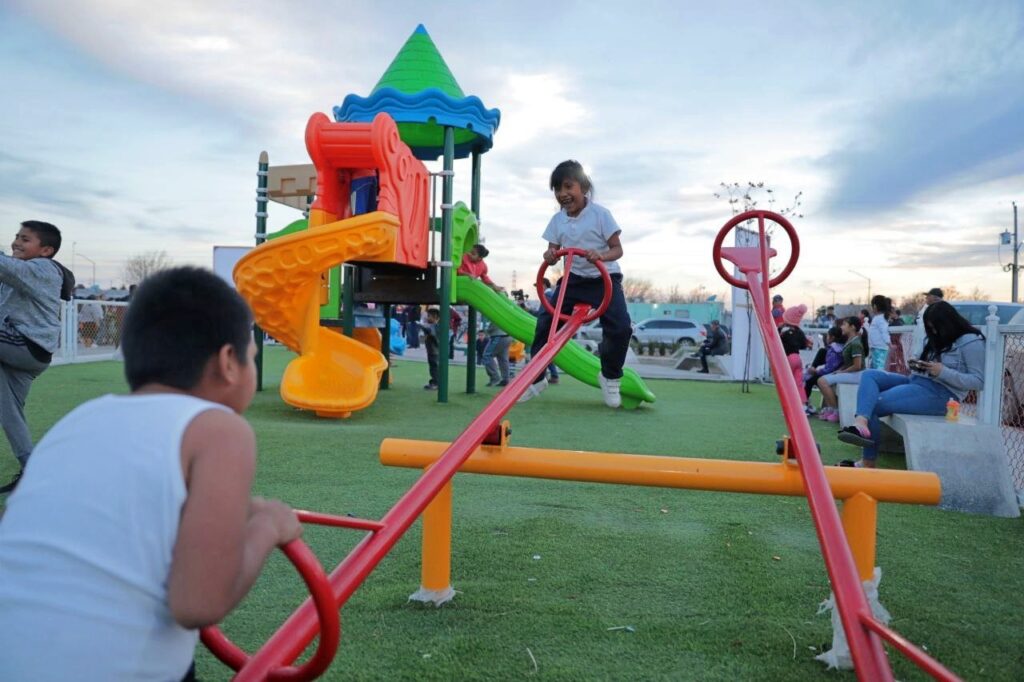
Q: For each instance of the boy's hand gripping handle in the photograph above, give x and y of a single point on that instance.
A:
(330, 626)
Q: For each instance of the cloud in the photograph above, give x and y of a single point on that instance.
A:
(946, 256)
(536, 104)
(48, 187)
(257, 63)
(943, 140)
(928, 105)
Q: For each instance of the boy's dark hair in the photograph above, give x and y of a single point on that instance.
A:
(571, 170)
(178, 319)
(481, 250)
(48, 234)
(433, 312)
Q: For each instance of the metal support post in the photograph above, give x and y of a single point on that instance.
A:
(445, 266)
(261, 236)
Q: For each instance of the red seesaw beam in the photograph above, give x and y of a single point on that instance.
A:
(296, 633)
(862, 631)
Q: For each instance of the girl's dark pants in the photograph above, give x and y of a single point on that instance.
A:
(615, 324)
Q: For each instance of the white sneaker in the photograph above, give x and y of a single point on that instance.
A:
(533, 391)
(610, 391)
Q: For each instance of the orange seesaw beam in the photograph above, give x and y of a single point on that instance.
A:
(764, 478)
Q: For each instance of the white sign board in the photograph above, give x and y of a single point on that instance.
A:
(748, 355)
(225, 258)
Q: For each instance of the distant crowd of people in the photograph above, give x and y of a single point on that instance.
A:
(945, 362)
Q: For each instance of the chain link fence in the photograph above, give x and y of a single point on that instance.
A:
(90, 330)
(1011, 412)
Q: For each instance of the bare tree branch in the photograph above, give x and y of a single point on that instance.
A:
(142, 265)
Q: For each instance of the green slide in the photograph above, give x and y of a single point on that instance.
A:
(573, 359)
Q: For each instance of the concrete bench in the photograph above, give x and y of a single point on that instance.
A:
(846, 395)
(969, 458)
(717, 364)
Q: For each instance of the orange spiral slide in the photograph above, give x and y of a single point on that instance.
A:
(335, 375)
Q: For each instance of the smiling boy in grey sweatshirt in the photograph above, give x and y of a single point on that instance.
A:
(31, 287)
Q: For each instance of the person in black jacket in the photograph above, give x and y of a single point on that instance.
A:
(715, 344)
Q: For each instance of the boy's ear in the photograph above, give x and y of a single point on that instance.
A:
(227, 363)
(47, 252)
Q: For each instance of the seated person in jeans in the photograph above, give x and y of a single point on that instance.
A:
(715, 344)
(951, 365)
(849, 373)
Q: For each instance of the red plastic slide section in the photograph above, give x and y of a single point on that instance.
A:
(343, 151)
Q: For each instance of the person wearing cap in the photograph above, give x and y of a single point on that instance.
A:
(917, 338)
(793, 341)
(778, 310)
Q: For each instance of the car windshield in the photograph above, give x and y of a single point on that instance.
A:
(975, 313)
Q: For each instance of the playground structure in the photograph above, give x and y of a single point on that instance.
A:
(373, 212)
(431, 493)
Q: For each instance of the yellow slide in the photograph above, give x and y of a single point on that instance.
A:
(333, 375)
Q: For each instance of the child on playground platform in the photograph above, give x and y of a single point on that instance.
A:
(473, 265)
(583, 224)
(32, 285)
(134, 525)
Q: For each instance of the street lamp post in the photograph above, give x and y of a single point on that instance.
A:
(1014, 268)
(833, 294)
(80, 255)
(869, 283)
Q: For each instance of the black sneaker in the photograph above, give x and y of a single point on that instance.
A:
(430, 387)
(501, 383)
(12, 484)
(853, 436)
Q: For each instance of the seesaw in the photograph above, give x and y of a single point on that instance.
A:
(860, 490)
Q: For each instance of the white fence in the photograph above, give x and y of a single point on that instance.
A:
(90, 331)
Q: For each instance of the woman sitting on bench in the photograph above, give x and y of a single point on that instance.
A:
(951, 365)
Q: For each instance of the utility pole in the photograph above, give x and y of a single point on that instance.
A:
(1016, 250)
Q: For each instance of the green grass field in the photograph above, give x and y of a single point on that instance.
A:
(714, 586)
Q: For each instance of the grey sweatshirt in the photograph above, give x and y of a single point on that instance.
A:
(30, 299)
(963, 366)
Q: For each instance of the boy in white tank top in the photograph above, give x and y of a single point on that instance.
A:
(134, 525)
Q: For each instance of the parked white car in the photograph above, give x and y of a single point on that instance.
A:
(977, 311)
(671, 330)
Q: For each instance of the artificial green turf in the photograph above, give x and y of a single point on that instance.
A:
(715, 586)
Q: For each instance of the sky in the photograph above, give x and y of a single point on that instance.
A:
(137, 127)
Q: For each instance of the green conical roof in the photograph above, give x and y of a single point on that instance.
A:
(418, 66)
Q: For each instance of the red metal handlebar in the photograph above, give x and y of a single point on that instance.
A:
(327, 610)
(794, 255)
(569, 253)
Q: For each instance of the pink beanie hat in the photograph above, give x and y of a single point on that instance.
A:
(794, 315)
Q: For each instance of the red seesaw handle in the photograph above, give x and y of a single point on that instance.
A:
(794, 241)
(570, 253)
(330, 626)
